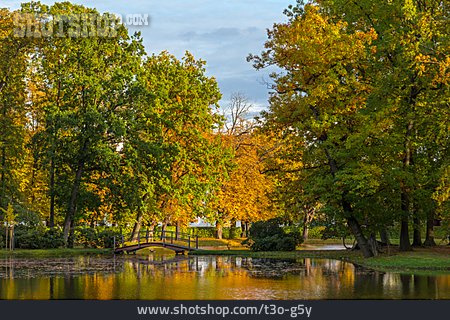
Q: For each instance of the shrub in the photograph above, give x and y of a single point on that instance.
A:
(95, 238)
(203, 232)
(105, 238)
(28, 239)
(2, 238)
(38, 238)
(234, 232)
(52, 238)
(316, 232)
(210, 232)
(86, 237)
(270, 236)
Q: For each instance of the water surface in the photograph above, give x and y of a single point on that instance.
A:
(208, 277)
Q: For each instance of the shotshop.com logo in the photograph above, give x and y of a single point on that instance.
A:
(74, 25)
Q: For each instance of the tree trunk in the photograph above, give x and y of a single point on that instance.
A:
(232, 228)
(219, 230)
(68, 223)
(151, 233)
(3, 201)
(373, 244)
(3, 180)
(429, 237)
(244, 229)
(405, 200)
(404, 235)
(52, 161)
(137, 226)
(404, 228)
(177, 230)
(307, 219)
(33, 178)
(384, 236)
(417, 237)
(71, 240)
(163, 229)
(52, 193)
(305, 232)
(359, 236)
(6, 237)
(355, 227)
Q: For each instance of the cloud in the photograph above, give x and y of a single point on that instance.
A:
(221, 32)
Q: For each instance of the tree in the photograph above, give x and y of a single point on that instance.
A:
(13, 54)
(86, 82)
(317, 101)
(174, 136)
(370, 110)
(10, 221)
(409, 72)
(244, 192)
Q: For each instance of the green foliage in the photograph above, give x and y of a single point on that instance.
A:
(13, 55)
(38, 238)
(2, 236)
(360, 110)
(316, 232)
(9, 217)
(210, 232)
(46, 238)
(233, 233)
(263, 229)
(270, 236)
(204, 232)
(94, 131)
(87, 237)
(96, 237)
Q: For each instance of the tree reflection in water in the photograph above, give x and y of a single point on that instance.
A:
(208, 277)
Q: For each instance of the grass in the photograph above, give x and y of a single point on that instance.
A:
(236, 243)
(419, 259)
(51, 253)
(212, 242)
(434, 259)
(348, 241)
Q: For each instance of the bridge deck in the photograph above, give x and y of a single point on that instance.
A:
(178, 242)
(135, 247)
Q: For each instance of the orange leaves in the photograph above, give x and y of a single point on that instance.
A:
(438, 68)
(323, 59)
(245, 195)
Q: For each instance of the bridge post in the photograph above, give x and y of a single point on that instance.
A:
(196, 242)
(171, 237)
(163, 236)
(114, 243)
(146, 235)
(139, 239)
(189, 241)
(122, 241)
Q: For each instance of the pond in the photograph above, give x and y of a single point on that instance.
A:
(156, 276)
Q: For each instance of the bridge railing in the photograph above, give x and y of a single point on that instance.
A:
(160, 236)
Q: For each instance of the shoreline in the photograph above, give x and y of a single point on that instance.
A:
(420, 259)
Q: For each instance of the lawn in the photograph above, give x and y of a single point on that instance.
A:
(51, 253)
(420, 259)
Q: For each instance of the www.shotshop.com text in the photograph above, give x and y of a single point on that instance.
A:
(263, 309)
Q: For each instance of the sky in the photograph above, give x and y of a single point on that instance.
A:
(222, 33)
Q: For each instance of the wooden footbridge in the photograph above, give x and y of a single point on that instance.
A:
(176, 241)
